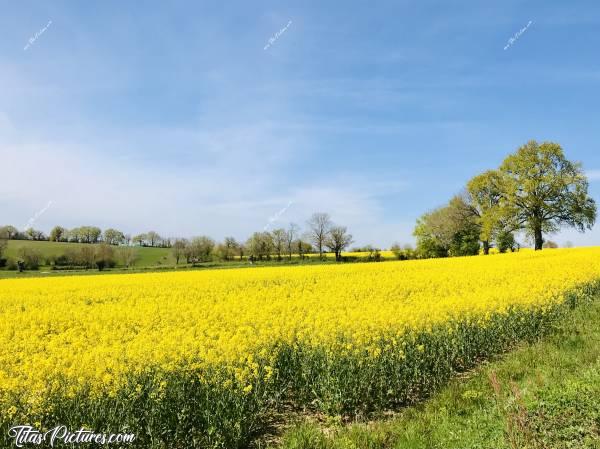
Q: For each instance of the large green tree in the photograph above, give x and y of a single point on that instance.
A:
(431, 237)
(85, 234)
(3, 245)
(451, 230)
(57, 234)
(484, 194)
(113, 236)
(9, 232)
(338, 240)
(179, 249)
(542, 191)
(153, 238)
(319, 225)
(279, 239)
(260, 245)
(228, 249)
(200, 249)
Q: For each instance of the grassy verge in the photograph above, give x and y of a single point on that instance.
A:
(541, 395)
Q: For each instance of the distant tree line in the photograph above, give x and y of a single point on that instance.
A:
(535, 191)
(99, 256)
(86, 234)
(321, 235)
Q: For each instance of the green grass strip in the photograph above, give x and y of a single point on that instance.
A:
(544, 394)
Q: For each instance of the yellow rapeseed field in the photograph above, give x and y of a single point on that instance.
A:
(86, 348)
(384, 254)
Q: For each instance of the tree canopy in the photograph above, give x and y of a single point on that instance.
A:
(543, 191)
(536, 190)
(451, 230)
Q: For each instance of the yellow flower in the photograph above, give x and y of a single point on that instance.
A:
(96, 335)
(12, 411)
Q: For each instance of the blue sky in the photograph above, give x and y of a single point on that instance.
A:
(173, 116)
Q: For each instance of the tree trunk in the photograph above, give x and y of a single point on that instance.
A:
(539, 239)
(486, 247)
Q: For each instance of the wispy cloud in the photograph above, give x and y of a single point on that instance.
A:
(186, 202)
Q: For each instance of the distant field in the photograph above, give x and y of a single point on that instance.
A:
(386, 255)
(146, 256)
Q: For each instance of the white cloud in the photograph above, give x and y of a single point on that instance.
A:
(230, 186)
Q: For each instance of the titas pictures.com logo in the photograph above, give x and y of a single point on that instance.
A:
(28, 435)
